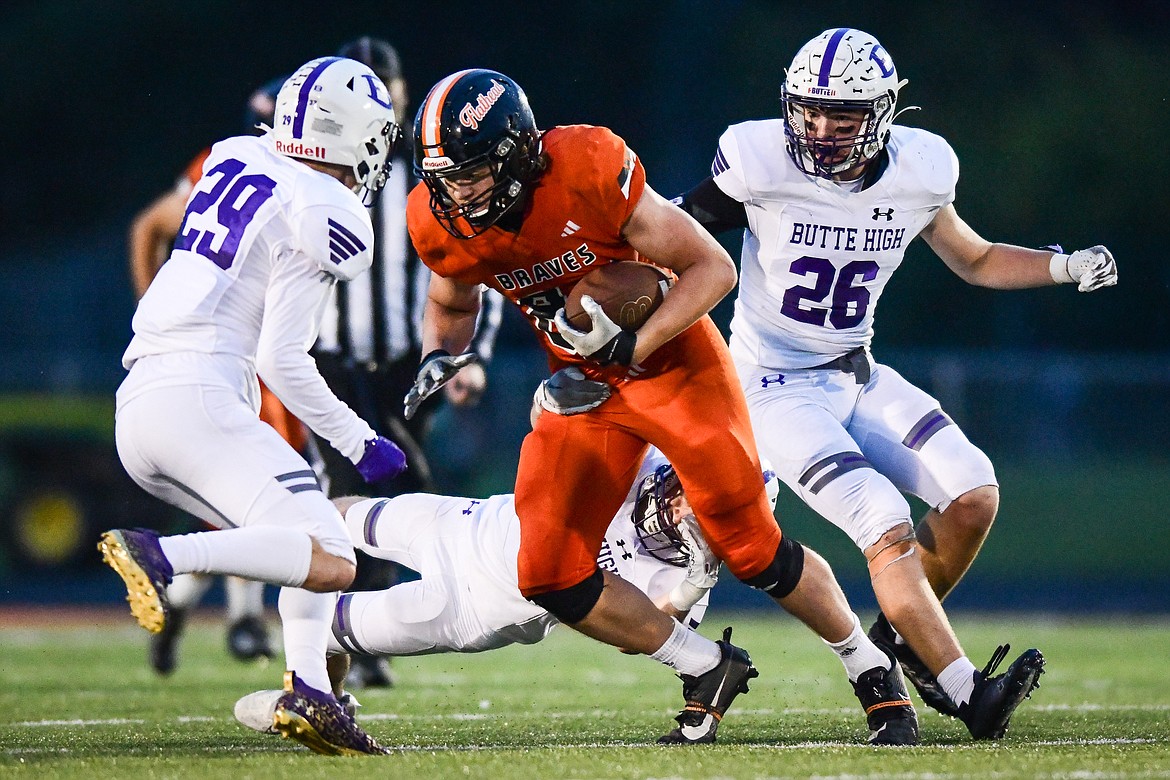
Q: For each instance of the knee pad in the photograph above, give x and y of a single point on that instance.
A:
(779, 579)
(571, 605)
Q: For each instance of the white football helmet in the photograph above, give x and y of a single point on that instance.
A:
(337, 110)
(841, 68)
(654, 519)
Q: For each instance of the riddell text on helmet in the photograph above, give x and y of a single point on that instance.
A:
(301, 150)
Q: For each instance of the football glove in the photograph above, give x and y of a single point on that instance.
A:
(568, 392)
(436, 370)
(382, 459)
(702, 567)
(606, 344)
(1091, 269)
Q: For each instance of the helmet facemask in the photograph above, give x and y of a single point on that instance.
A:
(822, 156)
(372, 169)
(654, 517)
(485, 209)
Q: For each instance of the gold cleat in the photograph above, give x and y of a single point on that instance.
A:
(319, 722)
(129, 553)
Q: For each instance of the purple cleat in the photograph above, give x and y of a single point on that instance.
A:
(319, 722)
(139, 560)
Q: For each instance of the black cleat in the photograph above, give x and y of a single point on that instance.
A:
(247, 639)
(369, 671)
(319, 722)
(164, 645)
(994, 699)
(932, 694)
(710, 694)
(888, 710)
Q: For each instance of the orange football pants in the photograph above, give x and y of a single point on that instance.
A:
(575, 471)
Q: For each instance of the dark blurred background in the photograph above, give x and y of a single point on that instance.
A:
(1058, 114)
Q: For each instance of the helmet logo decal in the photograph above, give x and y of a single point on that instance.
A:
(830, 55)
(471, 115)
(884, 63)
(376, 87)
(303, 94)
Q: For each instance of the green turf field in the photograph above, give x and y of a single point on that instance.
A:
(79, 702)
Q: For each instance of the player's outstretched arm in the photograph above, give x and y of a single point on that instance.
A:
(1009, 267)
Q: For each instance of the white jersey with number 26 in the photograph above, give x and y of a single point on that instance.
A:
(818, 255)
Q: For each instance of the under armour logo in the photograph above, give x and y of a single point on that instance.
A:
(771, 379)
(571, 227)
(888, 214)
(471, 507)
(626, 554)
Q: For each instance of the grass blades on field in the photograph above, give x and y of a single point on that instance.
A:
(78, 701)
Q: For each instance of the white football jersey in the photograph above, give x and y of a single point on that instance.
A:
(465, 551)
(263, 240)
(817, 256)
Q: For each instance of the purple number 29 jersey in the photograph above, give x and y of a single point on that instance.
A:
(262, 242)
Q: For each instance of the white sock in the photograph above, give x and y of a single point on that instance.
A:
(305, 619)
(245, 598)
(858, 653)
(688, 652)
(958, 680)
(186, 590)
(267, 553)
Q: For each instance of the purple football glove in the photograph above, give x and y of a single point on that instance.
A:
(381, 460)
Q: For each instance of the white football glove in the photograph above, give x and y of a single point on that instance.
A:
(702, 568)
(607, 343)
(1091, 269)
(568, 392)
(437, 369)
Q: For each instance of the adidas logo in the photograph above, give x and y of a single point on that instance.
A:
(571, 227)
(343, 244)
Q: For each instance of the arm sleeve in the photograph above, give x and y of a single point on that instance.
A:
(487, 326)
(293, 308)
(713, 208)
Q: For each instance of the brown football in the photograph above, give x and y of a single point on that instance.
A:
(628, 292)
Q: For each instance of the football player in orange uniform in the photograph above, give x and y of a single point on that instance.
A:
(529, 214)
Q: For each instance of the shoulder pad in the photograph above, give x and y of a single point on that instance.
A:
(333, 230)
(925, 165)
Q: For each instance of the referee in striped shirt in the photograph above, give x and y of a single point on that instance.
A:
(370, 343)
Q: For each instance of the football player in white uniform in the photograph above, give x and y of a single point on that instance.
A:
(830, 195)
(272, 225)
(468, 599)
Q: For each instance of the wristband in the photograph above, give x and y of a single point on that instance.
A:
(1058, 269)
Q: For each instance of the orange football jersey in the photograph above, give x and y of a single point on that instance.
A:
(572, 224)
